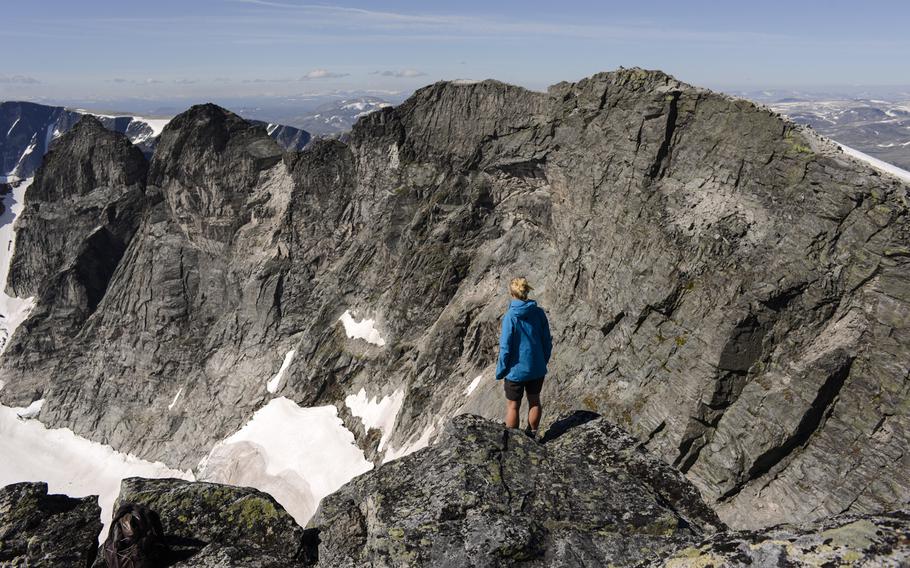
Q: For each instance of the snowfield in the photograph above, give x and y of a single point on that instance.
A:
(68, 463)
(13, 311)
(297, 455)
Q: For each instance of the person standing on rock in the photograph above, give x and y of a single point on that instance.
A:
(525, 346)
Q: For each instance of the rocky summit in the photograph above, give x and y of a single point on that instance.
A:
(727, 286)
(485, 495)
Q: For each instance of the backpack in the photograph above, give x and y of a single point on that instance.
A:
(135, 539)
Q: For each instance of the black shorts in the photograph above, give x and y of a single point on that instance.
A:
(515, 389)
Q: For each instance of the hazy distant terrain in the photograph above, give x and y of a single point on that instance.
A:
(878, 128)
(318, 114)
(876, 122)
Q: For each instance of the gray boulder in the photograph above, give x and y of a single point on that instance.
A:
(208, 524)
(37, 529)
(485, 495)
(844, 540)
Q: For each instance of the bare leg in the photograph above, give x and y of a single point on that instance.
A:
(512, 408)
(534, 411)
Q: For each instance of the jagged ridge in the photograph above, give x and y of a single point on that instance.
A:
(701, 219)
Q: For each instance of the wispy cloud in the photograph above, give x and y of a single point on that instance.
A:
(18, 80)
(322, 74)
(401, 73)
(148, 81)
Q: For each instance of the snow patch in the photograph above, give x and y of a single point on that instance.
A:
(156, 124)
(13, 311)
(32, 410)
(897, 172)
(68, 463)
(465, 81)
(176, 396)
(422, 442)
(374, 413)
(297, 455)
(28, 152)
(362, 329)
(8, 132)
(473, 385)
(275, 382)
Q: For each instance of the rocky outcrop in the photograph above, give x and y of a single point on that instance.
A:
(844, 540)
(37, 529)
(208, 524)
(485, 495)
(725, 285)
(80, 213)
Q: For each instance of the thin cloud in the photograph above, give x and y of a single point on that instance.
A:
(322, 74)
(401, 73)
(18, 80)
(150, 81)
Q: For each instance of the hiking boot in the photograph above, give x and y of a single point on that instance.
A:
(531, 433)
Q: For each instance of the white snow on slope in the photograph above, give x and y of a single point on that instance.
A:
(156, 124)
(13, 126)
(361, 329)
(409, 448)
(68, 463)
(298, 455)
(473, 385)
(28, 152)
(902, 174)
(32, 410)
(13, 311)
(374, 413)
(275, 382)
(176, 396)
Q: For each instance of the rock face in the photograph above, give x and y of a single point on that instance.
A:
(488, 496)
(37, 529)
(725, 285)
(844, 540)
(208, 524)
(81, 212)
(288, 137)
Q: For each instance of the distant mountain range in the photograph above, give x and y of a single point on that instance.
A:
(877, 127)
(27, 131)
(339, 116)
(875, 121)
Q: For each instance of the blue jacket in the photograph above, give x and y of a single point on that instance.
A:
(525, 344)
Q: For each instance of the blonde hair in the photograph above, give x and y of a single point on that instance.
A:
(519, 288)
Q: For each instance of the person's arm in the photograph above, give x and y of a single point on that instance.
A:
(505, 344)
(547, 338)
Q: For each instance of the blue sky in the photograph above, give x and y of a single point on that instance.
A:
(169, 48)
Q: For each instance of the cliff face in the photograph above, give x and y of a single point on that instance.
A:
(727, 286)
